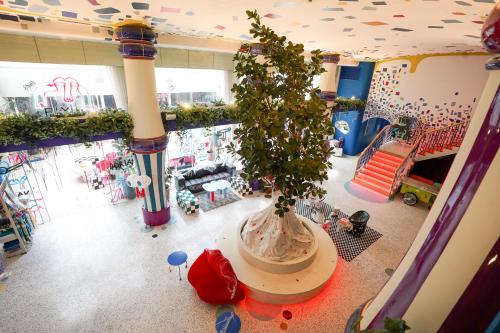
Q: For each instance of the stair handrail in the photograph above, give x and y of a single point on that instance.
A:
(404, 168)
(440, 138)
(444, 136)
(382, 137)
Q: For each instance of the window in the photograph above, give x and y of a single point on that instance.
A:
(51, 88)
(176, 86)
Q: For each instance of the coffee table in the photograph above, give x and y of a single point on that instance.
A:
(214, 186)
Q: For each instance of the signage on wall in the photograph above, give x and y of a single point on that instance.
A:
(67, 88)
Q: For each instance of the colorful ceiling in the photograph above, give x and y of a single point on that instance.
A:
(365, 30)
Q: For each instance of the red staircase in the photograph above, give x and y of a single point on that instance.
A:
(378, 174)
(383, 172)
(443, 138)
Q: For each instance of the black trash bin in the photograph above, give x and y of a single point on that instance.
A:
(359, 221)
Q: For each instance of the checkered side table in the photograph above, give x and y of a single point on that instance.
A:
(188, 202)
(241, 186)
(97, 183)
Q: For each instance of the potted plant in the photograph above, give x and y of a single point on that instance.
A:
(391, 325)
(280, 136)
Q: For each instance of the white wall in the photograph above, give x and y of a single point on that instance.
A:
(441, 91)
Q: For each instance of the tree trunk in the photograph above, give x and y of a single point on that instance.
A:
(277, 238)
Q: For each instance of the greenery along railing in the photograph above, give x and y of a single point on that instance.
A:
(31, 129)
(201, 115)
(347, 104)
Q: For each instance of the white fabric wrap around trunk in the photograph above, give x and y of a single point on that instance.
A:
(277, 238)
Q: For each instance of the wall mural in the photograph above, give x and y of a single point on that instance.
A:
(438, 90)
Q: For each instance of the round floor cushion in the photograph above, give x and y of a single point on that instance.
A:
(213, 278)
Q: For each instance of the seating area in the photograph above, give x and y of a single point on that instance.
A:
(193, 178)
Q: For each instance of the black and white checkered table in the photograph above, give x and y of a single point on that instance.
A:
(348, 246)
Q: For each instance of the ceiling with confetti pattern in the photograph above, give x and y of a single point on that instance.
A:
(365, 30)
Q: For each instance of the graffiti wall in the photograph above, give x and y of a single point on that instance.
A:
(439, 90)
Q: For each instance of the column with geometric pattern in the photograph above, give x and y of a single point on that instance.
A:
(328, 85)
(149, 139)
(328, 79)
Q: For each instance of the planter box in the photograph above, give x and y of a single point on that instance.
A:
(59, 141)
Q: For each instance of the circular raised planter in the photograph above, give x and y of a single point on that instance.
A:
(272, 266)
(272, 288)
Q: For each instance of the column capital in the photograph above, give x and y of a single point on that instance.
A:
(136, 41)
(330, 58)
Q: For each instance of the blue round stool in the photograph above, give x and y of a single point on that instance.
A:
(177, 258)
(228, 322)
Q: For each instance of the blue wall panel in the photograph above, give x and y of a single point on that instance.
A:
(355, 81)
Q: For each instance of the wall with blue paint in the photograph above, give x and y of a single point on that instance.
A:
(369, 129)
(355, 81)
(354, 120)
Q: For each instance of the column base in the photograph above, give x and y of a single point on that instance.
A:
(156, 218)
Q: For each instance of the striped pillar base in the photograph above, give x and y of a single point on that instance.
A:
(149, 156)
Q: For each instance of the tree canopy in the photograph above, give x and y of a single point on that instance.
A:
(283, 120)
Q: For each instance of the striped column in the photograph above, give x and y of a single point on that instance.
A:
(448, 280)
(328, 86)
(149, 139)
(328, 79)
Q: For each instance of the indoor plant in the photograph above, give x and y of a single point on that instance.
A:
(280, 136)
(391, 325)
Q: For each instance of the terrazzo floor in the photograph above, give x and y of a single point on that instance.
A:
(100, 270)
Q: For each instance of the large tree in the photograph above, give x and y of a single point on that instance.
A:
(283, 127)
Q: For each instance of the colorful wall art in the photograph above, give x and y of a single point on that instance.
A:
(364, 30)
(439, 90)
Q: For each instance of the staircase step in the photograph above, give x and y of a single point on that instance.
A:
(385, 192)
(383, 160)
(389, 156)
(375, 180)
(383, 166)
(378, 175)
(381, 171)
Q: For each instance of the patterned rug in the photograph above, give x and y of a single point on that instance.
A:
(349, 247)
(220, 200)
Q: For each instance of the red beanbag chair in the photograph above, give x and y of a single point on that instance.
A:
(214, 280)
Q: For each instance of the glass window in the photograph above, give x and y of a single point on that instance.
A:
(180, 98)
(55, 88)
(176, 86)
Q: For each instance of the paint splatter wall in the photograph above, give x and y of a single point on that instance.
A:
(439, 90)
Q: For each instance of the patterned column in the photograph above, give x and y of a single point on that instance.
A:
(149, 141)
(328, 86)
(328, 82)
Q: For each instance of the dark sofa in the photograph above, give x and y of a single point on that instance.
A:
(193, 179)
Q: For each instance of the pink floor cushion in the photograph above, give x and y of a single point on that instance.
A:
(214, 280)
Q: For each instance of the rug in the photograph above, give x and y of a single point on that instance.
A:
(220, 200)
(348, 246)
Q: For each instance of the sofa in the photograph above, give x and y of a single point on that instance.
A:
(192, 179)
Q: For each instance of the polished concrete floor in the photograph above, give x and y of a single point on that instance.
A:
(100, 270)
